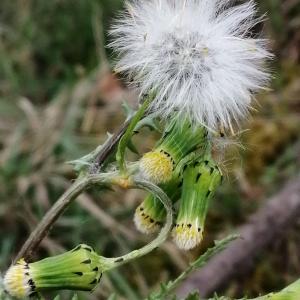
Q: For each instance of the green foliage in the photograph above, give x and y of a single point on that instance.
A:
(48, 44)
(166, 289)
(193, 296)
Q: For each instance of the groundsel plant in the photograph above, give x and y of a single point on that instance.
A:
(197, 64)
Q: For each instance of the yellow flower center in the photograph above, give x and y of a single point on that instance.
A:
(144, 222)
(16, 280)
(157, 166)
(187, 236)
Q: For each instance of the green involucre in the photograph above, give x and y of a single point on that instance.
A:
(78, 269)
(200, 181)
(180, 138)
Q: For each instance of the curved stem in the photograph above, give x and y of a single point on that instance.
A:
(64, 201)
(128, 134)
(57, 210)
(80, 184)
(71, 194)
(111, 263)
(51, 216)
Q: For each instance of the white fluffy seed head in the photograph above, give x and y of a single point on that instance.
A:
(200, 56)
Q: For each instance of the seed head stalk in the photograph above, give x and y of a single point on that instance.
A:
(129, 133)
(160, 195)
(81, 268)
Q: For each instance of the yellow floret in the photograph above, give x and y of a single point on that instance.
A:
(157, 166)
(144, 222)
(16, 280)
(187, 236)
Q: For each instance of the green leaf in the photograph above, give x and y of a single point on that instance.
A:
(128, 110)
(132, 147)
(193, 296)
(129, 132)
(167, 289)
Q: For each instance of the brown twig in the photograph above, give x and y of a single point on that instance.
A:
(264, 227)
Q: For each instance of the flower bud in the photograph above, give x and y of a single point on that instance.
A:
(178, 140)
(78, 269)
(17, 280)
(150, 214)
(200, 181)
(157, 166)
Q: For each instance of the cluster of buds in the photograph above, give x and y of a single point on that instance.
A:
(193, 182)
(205, 71)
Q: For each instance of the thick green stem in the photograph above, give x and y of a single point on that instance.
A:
(159, 194)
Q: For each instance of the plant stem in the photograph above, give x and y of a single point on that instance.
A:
(70, 195)
(80, 184)
(51, 216)
(157, 192)
(125, 139)
(202, 260)
(109, 147)
(166, 292)
(45, 225)
(65, 200)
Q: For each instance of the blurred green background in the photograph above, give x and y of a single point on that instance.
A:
(58, 100)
